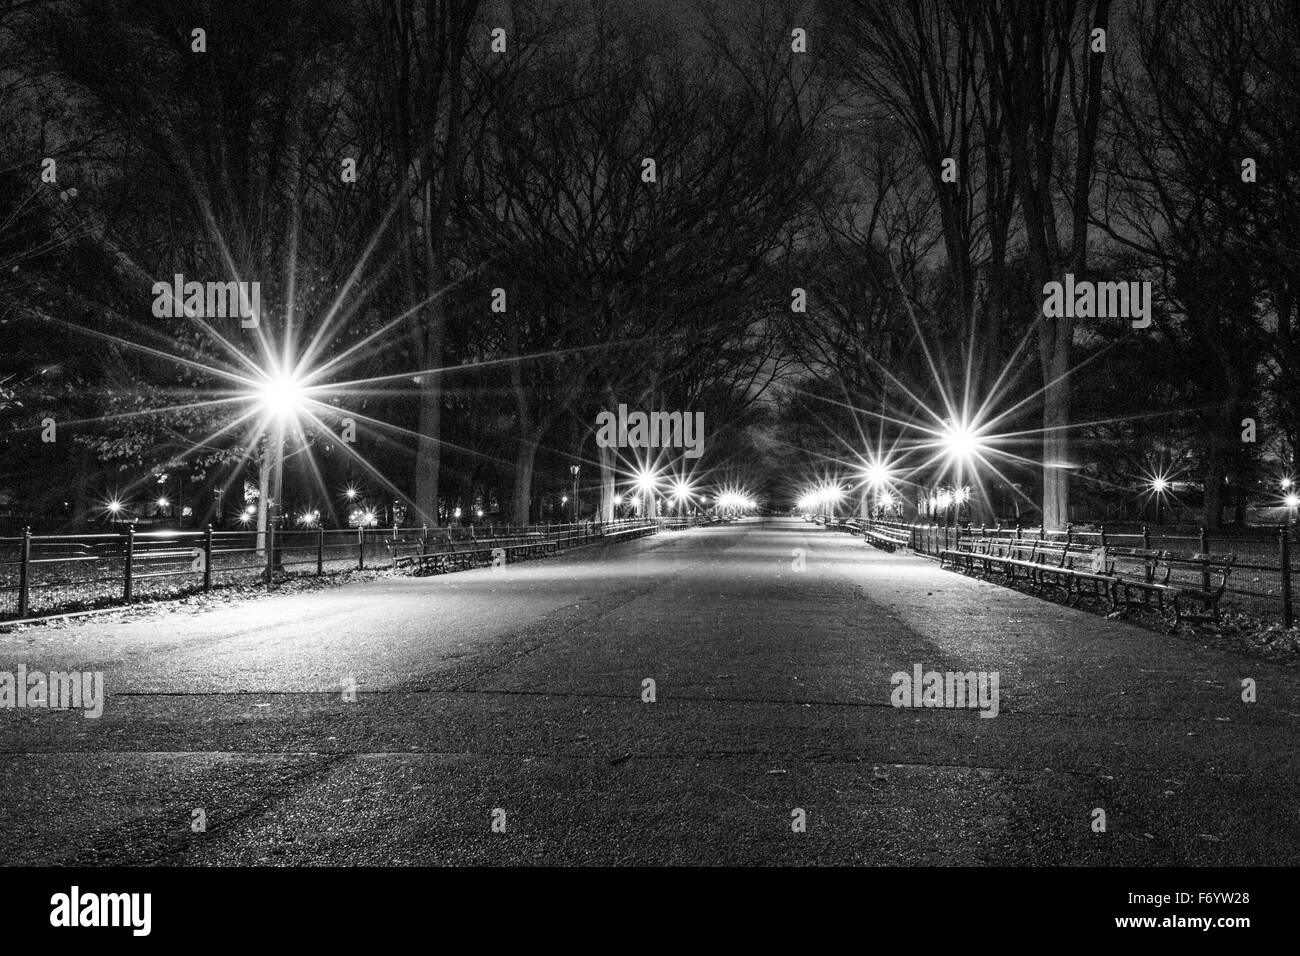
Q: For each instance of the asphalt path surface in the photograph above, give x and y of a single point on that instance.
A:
(500, 718)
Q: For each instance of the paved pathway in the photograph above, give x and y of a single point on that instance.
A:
(521, 689)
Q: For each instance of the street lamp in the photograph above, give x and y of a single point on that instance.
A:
(1159, 486)
(281, 396)
(877, 476)
(681, 495)
(573, 470)
(645, 486)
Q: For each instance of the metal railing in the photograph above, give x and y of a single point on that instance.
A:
(1260, 582)
(48, 574)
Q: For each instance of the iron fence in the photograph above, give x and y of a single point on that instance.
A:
(48, 574)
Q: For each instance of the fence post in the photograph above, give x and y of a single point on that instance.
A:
(207, 559)
(1284, 543)
(1205, 559)
(1146, 538)
(130, 562)
(24, 573)
(270, 545)
(1103, 537)
(361, 548)
(320, 550)
(1069, 534)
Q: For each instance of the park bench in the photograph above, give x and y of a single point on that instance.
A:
(462, 555)
(990, 553)
(1192, 584)
(1070, 567)
(1189, 584)
(627, 533)
(885, 538)
(407, 552)
(404, 551)
(1073, 567)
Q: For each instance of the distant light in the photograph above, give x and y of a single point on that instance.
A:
(618, 499)
(1286, 483)
(1159, 485)
(478, 512)
(162, 502)
(886, 500)
(351, 494)
(1292, 501)
(564, 499)
(456, 513)
(368, 517)
(250, 510)
(115, 506)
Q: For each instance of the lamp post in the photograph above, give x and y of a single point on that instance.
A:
(1159, 486)
(573, 470)
(281, 396)
(645, 486)
(274, 504)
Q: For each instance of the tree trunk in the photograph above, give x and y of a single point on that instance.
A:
(523, 491)
(606, 456)
(428, 454)
(1054, 342)
(1216, 468)
(263, 492)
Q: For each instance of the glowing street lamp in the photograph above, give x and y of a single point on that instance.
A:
(645, 483)
(573, 470)
(282, 395)
(961, 442)
(878, 476)
(1158, 486)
